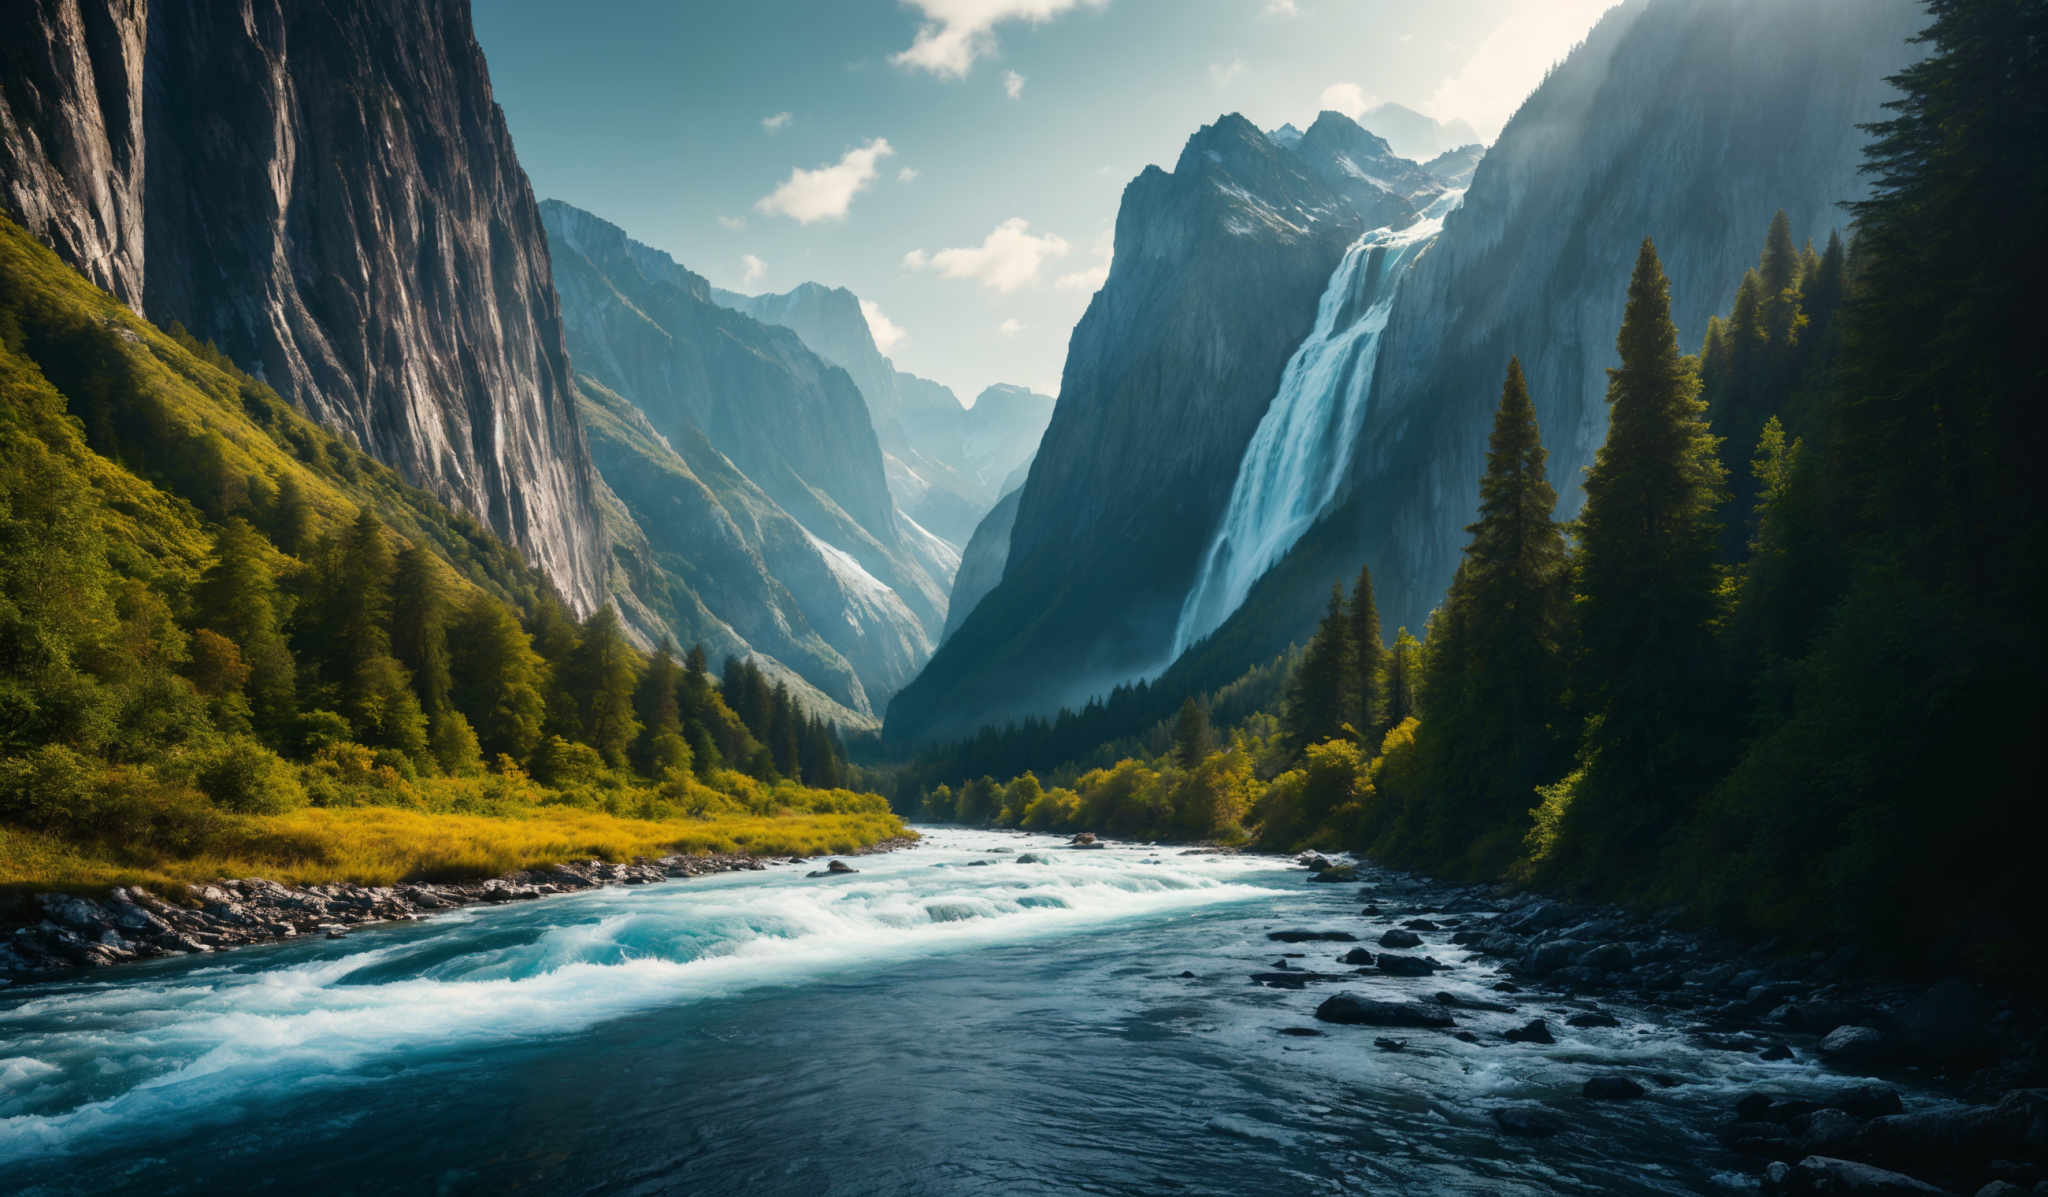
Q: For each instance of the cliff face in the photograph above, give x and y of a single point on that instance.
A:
(946, 464)
(981, 562)
(752, 468)
(1689, 121)
(1217, 272)
(328, 192)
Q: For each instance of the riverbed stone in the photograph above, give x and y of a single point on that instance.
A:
(1611, 1088)
(1358, 1010)
(1407, 966)
(1303, 936)
(1398, 938)
(1828, 1174)
(1534, 1031)
(1853, 1047)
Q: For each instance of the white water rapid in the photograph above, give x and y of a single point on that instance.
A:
(1301, 450)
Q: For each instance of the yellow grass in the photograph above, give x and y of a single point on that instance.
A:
(382, 845)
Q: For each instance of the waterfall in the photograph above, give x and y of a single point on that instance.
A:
(1298, 456)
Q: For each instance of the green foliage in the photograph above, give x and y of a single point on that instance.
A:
(196, 583)
(245, 777)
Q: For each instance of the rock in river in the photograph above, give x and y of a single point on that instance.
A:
(1398, 938)
(1612, 1088)
(1312, 936)
(1534, 1031)
(1356, 1010)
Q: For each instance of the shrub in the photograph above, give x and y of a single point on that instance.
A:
(249, 779)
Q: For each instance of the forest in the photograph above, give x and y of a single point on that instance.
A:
(222, 629)
(1782, 672)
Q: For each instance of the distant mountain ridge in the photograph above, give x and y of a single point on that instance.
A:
(946, 462)
(752, 469)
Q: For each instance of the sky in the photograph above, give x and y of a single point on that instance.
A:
(955, 163)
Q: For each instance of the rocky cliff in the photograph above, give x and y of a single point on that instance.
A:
(328, 192)
(752, 468)
(981, 562)
(1218, 268)
(946, 463)
(1690, 121)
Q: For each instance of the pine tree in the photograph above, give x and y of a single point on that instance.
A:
(419, 627)
(1495, 669)
(1322, 693)
(782, 738)
(238, 597)
(498, 678)
(1648, 596)
(1404, 679)
(1193, 739)
(599, 679)
(291, 517)
(1368, 716)
(657, 703)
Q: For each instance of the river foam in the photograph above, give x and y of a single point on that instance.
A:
(198, 1042)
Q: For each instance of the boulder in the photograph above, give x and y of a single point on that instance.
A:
(1549, 957)
(1354, 1009)
(1312, 936)
(1534, 1031)
(1826, 1174)
(1031, 858)
(1397, 938)
(1608, 957)
(1593, 1018)
(1406, 966)
(1421, 925)
(1455, 1002)
(1929, 1140)
(1867, 1101)
(1853, 1047)
(1390, 1045)
(1612, 1088)
(1335, 874)
(840, 868)
(1356, 956)
(1085, 839)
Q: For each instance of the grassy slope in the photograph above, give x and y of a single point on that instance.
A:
(74, 337)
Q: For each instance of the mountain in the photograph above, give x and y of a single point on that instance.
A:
(945, 462)
(981, 562)
(1415, 136)
(244, 170)
(1687, 120)
(1218, 269)
(1383, 187)
(752, 469)
(1454, 168)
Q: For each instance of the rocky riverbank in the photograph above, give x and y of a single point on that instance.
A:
(63, 932)
(1985, 1052)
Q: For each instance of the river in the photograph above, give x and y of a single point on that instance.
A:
(946, 1021)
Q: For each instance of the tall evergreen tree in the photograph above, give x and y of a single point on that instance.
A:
(1648, 597)
(498, 679)
(1404, 679)
(1369, 714)
(1193, 739)
(1496, 664)
(238, 598)
(599, 679)
(419, 627)
(657, 702)
(1324, 689)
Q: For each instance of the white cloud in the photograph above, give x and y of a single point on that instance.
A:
(1221, 73)
(753, 269)
(1282, 8)
(1006, 259)
(776, 122)
(907, 175)
(827, 192)
(1013, 84)
(956, 32)
(1510, 61)
(1347, 98)
(732, 223)
(1010, 327)
(886, 332)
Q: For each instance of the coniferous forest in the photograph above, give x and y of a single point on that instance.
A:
(1783, 669)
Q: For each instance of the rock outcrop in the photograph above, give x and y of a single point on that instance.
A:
(329, 193)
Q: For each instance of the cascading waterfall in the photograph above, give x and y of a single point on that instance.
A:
(1301, 450)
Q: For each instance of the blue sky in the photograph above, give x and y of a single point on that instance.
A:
(957, 163)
